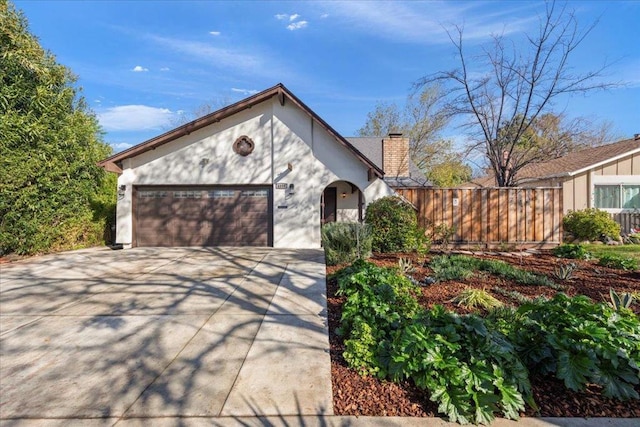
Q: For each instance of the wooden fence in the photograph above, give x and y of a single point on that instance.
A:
(627, 221)
(508, 218)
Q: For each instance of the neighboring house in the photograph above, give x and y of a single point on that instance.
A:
(265, 171)
(605, 177)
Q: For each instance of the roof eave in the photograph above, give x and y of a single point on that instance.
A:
(114, 163)
(604, 162)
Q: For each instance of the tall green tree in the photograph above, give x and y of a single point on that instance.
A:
(52, 194)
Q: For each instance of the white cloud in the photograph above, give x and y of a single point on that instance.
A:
(139, 69)
(425, 22)
(165, 69)
(244, 91)
(120, 146)
(324, 16)
(297, 25)
(214, 33)
(134, 118)
(210, 54)
(281, 16)
(294, 17)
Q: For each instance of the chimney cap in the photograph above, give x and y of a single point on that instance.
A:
(636, 136)
(395, 134)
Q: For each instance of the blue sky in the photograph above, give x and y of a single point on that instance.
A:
(142, 63)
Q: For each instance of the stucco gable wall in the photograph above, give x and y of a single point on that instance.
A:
(317, 160)
(207, 157)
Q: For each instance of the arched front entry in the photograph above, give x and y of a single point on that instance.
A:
(341, 201)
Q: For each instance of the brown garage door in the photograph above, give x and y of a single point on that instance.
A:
(218, 216)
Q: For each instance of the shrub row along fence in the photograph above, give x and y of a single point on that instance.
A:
(497, 218)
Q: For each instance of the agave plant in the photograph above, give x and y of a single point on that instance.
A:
(623, 300)
(565, 271)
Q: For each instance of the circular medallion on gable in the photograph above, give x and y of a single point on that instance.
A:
(243, 145)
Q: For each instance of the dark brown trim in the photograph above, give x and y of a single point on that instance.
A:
(278, 90)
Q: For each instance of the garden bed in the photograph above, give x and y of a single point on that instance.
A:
(368, 396)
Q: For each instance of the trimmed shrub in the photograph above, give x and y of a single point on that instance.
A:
(619, 262)
(394, 226)
(344, 242)
(591, 224)
(570, 251)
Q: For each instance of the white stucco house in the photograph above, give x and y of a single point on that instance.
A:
(265, 171)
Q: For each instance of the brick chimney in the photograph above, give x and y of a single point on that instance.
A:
(395, 155)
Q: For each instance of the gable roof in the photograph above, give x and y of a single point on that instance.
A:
(372, 148)
(573, 163)
(113, 163)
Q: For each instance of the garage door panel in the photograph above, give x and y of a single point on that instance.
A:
(213, 216)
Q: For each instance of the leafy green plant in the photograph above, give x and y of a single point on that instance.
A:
(453, 267)
(618, 262)
(472, 298)
(394, 225)
(378, 302)
(442, 234)
(580, 342)
(345, 242)
(564, 271)
(591, 224)
(458, 267)
(471, 371)
(621, 301)
(571, 251)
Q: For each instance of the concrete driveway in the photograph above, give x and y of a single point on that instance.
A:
(102, 337)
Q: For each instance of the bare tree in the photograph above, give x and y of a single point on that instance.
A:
(202, 110)
(515, 88)
(421, 120)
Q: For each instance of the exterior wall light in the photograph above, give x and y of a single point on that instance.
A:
(344, 195)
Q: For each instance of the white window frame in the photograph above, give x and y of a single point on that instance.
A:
(613, 180)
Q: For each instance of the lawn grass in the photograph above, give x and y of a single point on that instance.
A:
(632, 251)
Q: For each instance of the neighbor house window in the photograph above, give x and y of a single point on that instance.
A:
(616, 196)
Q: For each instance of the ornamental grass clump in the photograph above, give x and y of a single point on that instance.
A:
(344, 242)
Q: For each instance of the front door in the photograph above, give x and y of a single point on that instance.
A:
(329, 205)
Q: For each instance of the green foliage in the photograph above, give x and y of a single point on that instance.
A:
(442, 234)
(580, 342)
(571, 251)
(378, 302)
(591, 224)
(471, 371)
(451, 171)
(472, 298)
(474, 367)
(458, 267)
(394, 226)
(455, 267)
(621, 301)
(619, 262)
(344, 242)
(50, 144)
